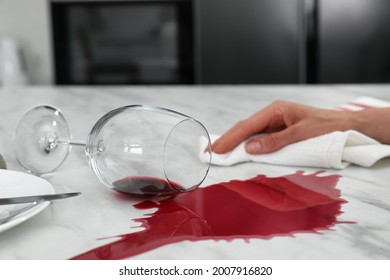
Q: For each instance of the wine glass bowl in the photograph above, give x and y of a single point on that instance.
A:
(135, 149)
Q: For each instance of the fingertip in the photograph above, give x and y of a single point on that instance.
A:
(209, 148)
(214, 148)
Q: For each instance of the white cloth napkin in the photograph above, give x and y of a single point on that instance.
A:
(335, 150)
(362, 103)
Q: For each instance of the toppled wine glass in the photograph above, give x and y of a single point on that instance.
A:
(136, 149)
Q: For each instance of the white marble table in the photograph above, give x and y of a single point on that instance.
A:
(70, 227)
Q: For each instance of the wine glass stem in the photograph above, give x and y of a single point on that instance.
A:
(70, 142)
(77, 143)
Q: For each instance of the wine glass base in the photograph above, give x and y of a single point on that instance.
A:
(41, 139)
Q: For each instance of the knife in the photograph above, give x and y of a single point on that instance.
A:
(33, 198)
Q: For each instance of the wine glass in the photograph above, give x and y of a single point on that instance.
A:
(135, 149)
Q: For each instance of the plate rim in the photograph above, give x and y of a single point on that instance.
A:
(24, 216)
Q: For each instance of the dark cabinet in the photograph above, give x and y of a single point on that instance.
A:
(247, 42)
(293, 41)
(221, 41)
(354, 41)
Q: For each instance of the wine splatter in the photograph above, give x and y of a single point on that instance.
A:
(261, 207)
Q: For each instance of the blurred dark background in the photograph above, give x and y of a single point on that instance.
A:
(221, 41)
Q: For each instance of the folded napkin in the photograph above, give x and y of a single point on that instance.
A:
(334, 150)
(363, 102)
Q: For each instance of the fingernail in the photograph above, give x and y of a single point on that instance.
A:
(253, 147)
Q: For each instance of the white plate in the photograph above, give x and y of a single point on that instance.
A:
(13, 183)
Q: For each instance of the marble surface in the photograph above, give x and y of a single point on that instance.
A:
(71, 227)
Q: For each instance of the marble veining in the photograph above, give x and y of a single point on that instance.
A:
(68, 228)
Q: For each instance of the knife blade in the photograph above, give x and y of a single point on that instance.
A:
(33, 198)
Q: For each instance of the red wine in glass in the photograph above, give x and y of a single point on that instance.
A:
(144, 185)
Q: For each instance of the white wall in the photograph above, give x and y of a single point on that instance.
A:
(28, 21)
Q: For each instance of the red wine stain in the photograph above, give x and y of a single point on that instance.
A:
(261, 207)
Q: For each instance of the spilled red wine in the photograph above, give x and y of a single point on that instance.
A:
(143, 185)
(260, 207)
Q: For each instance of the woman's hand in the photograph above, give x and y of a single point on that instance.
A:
(285, 123)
